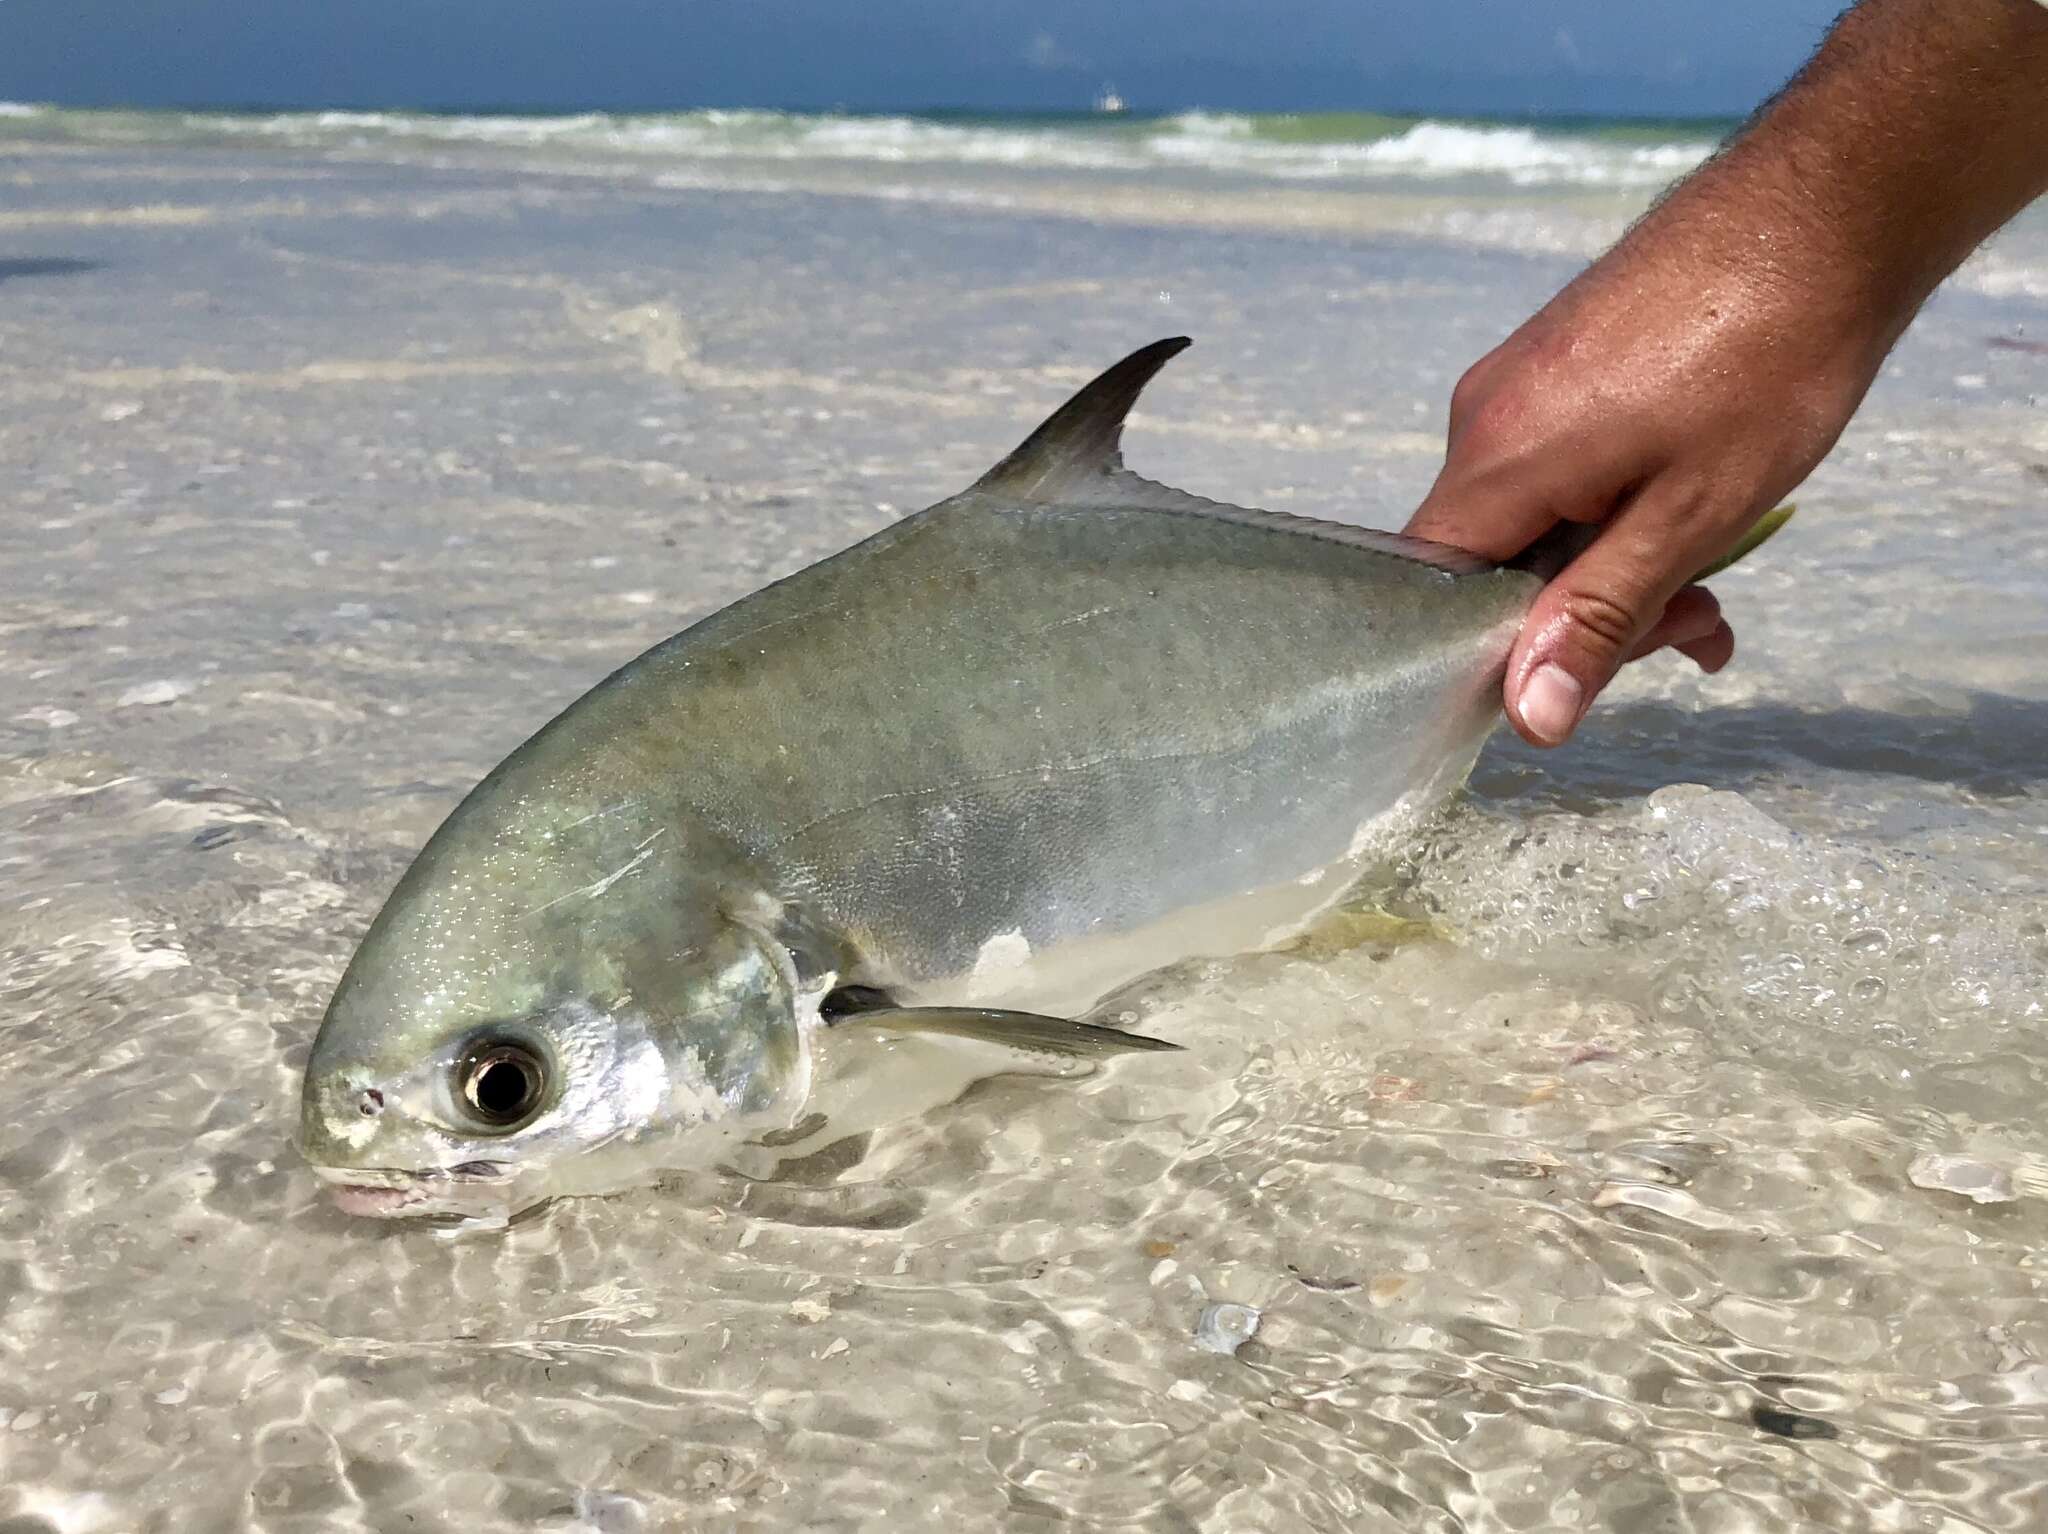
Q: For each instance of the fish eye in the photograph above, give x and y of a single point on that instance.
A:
(502, 1083)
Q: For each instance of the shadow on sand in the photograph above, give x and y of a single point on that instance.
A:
(45, 266)
(1994, 745)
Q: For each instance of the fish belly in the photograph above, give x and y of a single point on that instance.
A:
(1066, 974)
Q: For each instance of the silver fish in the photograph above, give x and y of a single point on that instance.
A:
(1008, 753)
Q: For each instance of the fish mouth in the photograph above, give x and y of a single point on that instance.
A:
(391, 1193)
(375, 1201)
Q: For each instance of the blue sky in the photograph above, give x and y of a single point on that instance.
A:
(1636, 57)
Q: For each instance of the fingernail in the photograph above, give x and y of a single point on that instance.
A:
(1550, 702)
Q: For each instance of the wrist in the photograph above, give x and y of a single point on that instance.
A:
(1767, 249)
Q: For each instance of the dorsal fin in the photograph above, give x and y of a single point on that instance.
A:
(1075, 458)
(1079, 442)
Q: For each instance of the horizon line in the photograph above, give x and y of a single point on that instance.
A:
(1139, 113)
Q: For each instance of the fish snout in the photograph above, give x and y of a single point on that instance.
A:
(340, 1117)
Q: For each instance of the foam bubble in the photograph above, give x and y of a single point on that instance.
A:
(1743, 920)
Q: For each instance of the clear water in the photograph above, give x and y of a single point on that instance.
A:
(1675, 1162)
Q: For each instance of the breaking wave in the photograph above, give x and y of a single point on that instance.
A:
(1325, 147)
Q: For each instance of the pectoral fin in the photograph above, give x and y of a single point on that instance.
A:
(1026, 1033)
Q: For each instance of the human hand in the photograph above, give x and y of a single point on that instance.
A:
(1670, 396)
(1698, 371)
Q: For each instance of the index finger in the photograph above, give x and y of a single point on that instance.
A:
(1495, 521)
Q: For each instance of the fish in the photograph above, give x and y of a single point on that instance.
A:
(902, 812)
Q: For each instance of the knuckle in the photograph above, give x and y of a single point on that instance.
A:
(1698, 604)
(1604, 618)
(1496, 426)
(1469, 390)
(1587, 513)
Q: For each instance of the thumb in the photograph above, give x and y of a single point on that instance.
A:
(1592, 617)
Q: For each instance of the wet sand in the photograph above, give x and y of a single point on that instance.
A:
(1630, 1189)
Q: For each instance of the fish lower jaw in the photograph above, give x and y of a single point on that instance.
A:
(392, 1195)
(374, 1201)
(380, 1196)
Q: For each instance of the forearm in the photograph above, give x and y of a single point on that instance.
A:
(1918, 129)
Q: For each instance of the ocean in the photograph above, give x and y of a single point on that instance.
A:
(1317, 147)
(1561, 186)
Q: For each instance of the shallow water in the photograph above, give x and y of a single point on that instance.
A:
(1632, 1182)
